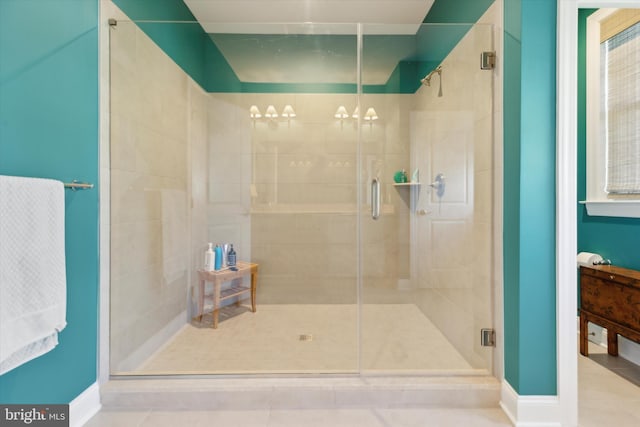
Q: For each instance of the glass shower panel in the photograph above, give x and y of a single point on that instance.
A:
(149, 194)
(427, 147)
(249, 151)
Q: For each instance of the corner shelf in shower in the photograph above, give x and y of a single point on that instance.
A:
(410, 197)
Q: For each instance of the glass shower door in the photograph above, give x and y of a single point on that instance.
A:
(303, 204)
(427, 173)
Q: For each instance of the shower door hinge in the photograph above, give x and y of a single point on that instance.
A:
(487, 337)
(487, 60)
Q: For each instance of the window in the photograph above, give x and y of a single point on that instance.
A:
(620, 75)
(613, 113)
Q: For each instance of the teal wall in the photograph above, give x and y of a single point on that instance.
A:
(511, 189)
(49, 128)
(529, 196)
(613, 238)
(457, 11)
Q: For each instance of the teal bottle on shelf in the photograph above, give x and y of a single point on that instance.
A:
(218, 263)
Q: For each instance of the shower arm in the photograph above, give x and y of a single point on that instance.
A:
(427, 79)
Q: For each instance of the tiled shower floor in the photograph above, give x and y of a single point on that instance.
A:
(396, 337)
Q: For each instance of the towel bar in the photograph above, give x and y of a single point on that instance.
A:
(75, 185)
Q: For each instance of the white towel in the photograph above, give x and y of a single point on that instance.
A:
(32, 268)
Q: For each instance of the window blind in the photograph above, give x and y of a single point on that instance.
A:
(618, 22)
(620, 59)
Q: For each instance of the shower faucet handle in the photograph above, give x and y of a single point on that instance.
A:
(438, 184)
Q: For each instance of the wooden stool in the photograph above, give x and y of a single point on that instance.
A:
(225, 275)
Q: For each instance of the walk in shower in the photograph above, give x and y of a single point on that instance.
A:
(294, 146)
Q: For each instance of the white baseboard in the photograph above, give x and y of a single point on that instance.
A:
(530, 411)
(85, 406)
(628, 350)
(153, 344)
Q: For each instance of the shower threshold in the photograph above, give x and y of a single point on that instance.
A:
(327, 392)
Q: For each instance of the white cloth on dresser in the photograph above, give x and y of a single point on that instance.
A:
(32, 268)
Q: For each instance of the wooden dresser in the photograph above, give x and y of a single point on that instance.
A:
(609, 297)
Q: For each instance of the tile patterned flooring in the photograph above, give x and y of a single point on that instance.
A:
(608, 390)
(397, 417)
(396, 337)
(609, 395)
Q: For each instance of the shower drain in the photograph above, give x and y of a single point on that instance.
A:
(306, 337)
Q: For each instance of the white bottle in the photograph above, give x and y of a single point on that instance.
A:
(209, 259)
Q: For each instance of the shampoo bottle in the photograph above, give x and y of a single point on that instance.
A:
(218, 258)
(231, 257)
(209, 258)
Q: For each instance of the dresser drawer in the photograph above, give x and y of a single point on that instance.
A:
(611, 300)
(619, 275)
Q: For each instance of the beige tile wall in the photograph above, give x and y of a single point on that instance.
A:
(303, 206)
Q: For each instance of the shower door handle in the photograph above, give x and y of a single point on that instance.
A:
(375, 198)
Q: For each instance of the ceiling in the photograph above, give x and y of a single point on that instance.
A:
(310, 41)
(309, 16)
